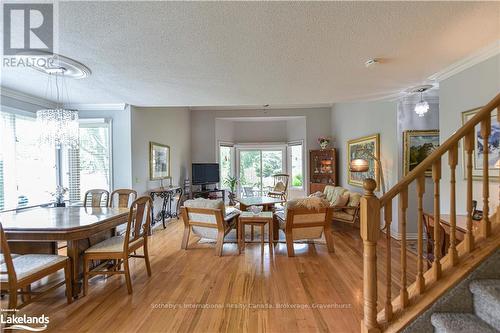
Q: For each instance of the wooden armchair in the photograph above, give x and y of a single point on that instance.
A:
(96, 198)
(305, 223)
(18, 272)
(120, 248)
(207, 219)
(280, 188)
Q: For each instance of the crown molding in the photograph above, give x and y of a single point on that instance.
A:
(471, 60)
(97, 107)
(6, 92)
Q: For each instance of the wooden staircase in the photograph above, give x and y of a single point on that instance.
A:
(394, 313)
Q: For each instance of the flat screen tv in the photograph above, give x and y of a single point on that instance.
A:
(205, 173)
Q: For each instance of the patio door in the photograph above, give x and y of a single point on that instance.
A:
(256, 167)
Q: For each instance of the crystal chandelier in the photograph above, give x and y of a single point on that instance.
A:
(58, 126)
(422, 107)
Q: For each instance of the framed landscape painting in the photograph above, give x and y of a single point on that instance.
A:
(478, 154)
(417, 145)
(159, 161)
(363, 148)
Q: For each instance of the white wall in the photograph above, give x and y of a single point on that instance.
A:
(260, 131)
(121, 143)
(170, 126)
(354, 120)
(466, 90)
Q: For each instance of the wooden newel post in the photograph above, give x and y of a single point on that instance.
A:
(369, 229)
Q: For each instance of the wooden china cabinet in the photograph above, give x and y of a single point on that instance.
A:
(322, 169)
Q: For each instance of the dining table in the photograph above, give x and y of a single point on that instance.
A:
(38, 230)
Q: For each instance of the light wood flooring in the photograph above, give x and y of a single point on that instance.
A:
(195, 291)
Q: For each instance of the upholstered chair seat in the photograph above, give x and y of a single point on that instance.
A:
(113, 244)
(30, 264)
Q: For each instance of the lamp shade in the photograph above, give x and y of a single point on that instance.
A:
(359, 165)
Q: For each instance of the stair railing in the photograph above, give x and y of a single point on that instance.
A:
(370, 212)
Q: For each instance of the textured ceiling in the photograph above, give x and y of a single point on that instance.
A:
(254, 53)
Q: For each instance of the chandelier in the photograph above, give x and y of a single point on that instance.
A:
(58, 126)
(422, 107)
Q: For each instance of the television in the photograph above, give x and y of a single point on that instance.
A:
(205, 173)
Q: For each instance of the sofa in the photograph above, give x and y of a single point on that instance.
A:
(345, 203)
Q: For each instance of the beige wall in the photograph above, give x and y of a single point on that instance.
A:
(466, 90)
(170, 126)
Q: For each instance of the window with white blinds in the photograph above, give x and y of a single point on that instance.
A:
(27, 170)
(89, 166)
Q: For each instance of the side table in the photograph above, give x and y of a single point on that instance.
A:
(259, 220)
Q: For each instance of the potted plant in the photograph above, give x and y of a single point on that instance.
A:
(231, 182)
(324, 142)
(58, 196)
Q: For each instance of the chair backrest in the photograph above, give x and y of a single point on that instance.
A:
(96, 198)
(124, 197)
(139, 220)
(203, 217)
(283, 178)
(11, 273)
(307, 223)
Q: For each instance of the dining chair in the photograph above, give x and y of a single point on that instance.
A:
(95, 198)
(429, 238)
(306, 223)
(20, 271)
(280, 188)
(123, 198)
(120, 248)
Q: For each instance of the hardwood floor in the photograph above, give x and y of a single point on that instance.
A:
(195, 291)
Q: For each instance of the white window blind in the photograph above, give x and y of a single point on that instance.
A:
(89, 166)
(27, 170)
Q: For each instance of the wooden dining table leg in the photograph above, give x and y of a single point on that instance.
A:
(74, 255)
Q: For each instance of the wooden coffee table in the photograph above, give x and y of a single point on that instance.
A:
(259, 220)
(267, 202)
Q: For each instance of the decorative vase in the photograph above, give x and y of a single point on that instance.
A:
(231, 197)
(324, 144)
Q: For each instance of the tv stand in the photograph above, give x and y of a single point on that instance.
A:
(209, 194)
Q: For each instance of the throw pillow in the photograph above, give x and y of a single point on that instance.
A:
(318, 194)
(279, 187)
(341, 201)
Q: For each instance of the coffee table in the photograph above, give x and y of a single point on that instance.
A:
(259, 220)
(267, 202)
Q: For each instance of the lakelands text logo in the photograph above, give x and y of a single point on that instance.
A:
(23, 322)
(28, 28)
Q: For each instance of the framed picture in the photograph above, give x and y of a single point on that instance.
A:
(159, 161)
(417, 145)
(493, 148)
(364, 148)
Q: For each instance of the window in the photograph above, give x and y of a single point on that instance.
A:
(296, 166)
(226, 162)
(27, 170)
(256, 167)
(89, 166)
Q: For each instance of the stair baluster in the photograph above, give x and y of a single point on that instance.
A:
(469, 149)
(436, 177)
(388, 296)
(420, 235)
(485, 133)
(452, 162)
(403, 204)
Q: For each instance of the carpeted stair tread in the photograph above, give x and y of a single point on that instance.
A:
(486, 300)
(460, 323)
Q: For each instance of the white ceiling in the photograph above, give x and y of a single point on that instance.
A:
(254, 53)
